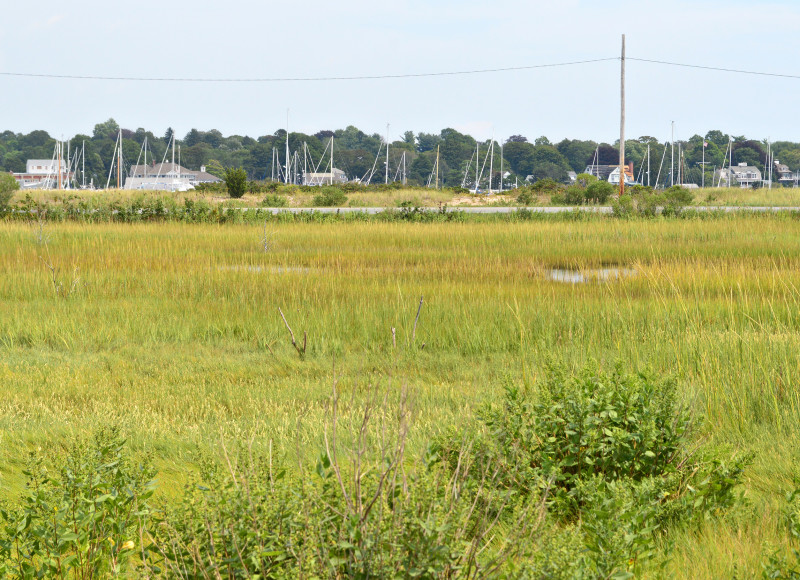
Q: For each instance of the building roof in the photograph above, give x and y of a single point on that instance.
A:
(737, 169)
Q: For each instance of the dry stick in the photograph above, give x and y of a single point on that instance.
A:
(294, 342)
(394, 338)
(414, 334)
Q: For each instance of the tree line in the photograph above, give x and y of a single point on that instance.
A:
(414, 155)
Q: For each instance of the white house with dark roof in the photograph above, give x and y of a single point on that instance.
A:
(167, 177)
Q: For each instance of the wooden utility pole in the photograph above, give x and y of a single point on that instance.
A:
(622, 124)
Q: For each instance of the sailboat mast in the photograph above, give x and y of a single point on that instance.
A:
(331, 159)
(437, 167)
(69, 165)
(83, 162)
(286, 176)
(491, 165)
(386, 180)
(477, 162)
(59, 164)
(501, 167)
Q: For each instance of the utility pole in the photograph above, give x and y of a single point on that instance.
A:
(622, 123)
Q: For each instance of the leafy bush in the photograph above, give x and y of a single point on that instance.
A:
(525, 197)
(330, 197)
(274, 200)
(599, 191)
(585, 179)
(574, 195)
(612, 452)
(547, 185)
(8, 185)
(646, 202)
(236, 182)
(780, 567)
(86, 522)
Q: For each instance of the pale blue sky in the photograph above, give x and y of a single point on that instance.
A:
(240, 38)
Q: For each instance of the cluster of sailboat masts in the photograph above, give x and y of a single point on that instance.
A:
(64, 168)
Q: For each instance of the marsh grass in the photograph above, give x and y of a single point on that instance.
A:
(176, 338)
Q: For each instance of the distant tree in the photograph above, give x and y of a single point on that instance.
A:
(324, 134)
(542, 141)
(236, 182)
(192, 138)
(517, 139)
(408, 138)
(107, 130)
(719, 138)
(607, 155)
(578, 153)
(168, 135)
(427, 142)
(215, 168)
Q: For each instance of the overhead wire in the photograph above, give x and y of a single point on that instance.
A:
(302, 79)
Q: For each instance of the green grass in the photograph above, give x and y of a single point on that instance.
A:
(173, 333)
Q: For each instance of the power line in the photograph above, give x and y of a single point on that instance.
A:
(716, 68)
(389, 76)
(303, 79)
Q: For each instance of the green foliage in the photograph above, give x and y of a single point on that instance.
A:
(612, 451)
(779, 567)
(274, 200)
(647, 202)
(599, 191)
(86, 522)
(236, 182)
(330, 197)
(525, 197)
(8, 185)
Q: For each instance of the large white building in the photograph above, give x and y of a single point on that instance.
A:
(335, 176)
(167, 177)
(43, 174)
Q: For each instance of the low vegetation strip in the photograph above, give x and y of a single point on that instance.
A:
(173, 337)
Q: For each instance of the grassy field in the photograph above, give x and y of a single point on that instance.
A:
(173, 333)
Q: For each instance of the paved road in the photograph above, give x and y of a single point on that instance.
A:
(537, 209)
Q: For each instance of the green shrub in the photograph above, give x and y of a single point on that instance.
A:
(86, 522)
(525, 197)
(236, 182)
(8, 186)
(781, 567)
(613, 453)
(574, 195)
(599, 191)
(274, 200)
(330, 197)
(547, 185)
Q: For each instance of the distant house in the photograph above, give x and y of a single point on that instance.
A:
(43, 174)
(784, 174)
(167, 177)
(613, 177)
(610, 173)
(335, 176)
(746, 175)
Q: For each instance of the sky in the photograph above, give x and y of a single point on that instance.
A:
(314, 38)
